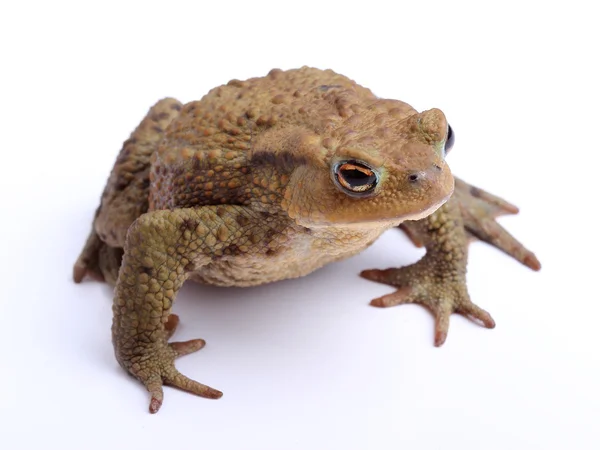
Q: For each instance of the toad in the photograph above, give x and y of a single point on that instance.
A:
(272, 178)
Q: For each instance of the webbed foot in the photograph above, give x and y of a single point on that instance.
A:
(98, 261)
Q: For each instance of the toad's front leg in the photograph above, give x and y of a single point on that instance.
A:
(438, 280)
(162, 248)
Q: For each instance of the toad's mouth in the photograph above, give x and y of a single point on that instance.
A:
(428, 211)
(383, 220)
(394, 221)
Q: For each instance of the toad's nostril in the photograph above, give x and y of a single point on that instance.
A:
(414, 177)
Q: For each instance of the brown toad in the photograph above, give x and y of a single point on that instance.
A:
(272, 178)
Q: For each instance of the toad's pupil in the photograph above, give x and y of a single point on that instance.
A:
(356, 178)
(449, 139)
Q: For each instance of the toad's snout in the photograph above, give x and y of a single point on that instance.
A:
(429, 187)
(432, 174)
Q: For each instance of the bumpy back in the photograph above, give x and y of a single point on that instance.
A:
(214, 145)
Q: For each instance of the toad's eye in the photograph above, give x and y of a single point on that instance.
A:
(355, 178)
(449, 140)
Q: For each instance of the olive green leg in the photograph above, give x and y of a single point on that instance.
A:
(98, 260)
(87, 263)
(438, 280)
(479, 210)
(162, 249)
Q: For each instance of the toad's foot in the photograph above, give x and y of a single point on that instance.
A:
(441, 297)
(438, 280)
(155, 367)
(98, 261)
(479, 209)
(87, 263)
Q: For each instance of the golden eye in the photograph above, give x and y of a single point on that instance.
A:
(355, 177)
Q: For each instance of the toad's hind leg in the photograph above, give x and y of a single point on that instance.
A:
(125, 196)
(479, 210)
(98, 260)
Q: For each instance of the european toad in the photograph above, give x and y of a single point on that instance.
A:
(272, 178)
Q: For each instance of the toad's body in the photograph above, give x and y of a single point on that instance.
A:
(272, 178)
(292, 252)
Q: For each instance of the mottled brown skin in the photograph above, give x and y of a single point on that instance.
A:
(242, 188)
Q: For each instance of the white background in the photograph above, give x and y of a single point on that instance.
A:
(307, 364)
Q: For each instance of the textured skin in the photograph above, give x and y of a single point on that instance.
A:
(238, 189)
